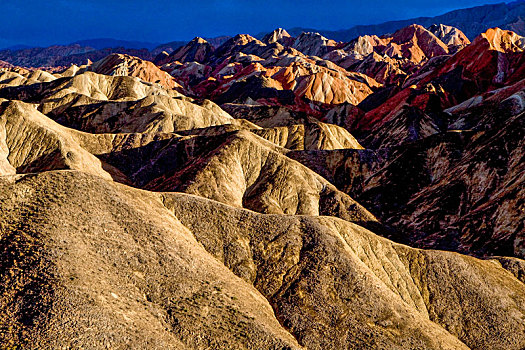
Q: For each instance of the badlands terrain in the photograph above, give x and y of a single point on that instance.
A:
(286, 192)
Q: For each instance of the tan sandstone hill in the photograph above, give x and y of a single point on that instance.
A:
(126, 65)
(283, 193)
(129, 268)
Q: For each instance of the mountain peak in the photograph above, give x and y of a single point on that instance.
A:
(242, 39)
(125, 65)
(417, 36)
(502, 40)
(199, 40)
(279, 35)
(197, 50)
(314, 44)
(409, 32)
(454, 38)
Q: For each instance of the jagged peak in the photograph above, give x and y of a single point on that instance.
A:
(243, 38)
(281, 32)
(313, 44)
(407, 33)
(454, 38)
(315, 35)
(502, 40)
(276, 35)
(199, 40)
(445, 33)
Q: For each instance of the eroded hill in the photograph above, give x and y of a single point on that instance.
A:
(294, 200)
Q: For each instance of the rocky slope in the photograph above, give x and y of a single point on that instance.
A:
(197, 50)
(141, 279)
(307, 194)
(246, 69)
(125, 65)
(493, 60)
(456, 191)
(392, 58)
(472, 21)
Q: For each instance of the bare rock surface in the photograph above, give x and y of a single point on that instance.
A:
(126, 65)
(283, 193)
(137, 269)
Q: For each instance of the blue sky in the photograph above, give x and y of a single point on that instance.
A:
(46, 22)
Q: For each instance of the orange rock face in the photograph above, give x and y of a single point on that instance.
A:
(417, 44)
(270, 73)
(390, 59)
(494, 59)
(120, 64)
(490, 59)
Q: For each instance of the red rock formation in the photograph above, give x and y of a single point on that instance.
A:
(488, 63)
(287, 81)
(197, 50)
(391, 58)
(245, 68)
(119, 64)
(416, 44)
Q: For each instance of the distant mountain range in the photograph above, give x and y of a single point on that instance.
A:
(103, 43)
(471, 21)
(17, 47)
(174, 45)
(94, 49)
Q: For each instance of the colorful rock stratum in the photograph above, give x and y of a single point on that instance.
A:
(273, 193)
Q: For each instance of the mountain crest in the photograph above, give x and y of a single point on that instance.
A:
(314, 44)
(279, 35)
(197, 50)
(502, 40)
(125, 65)
(450, 36)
